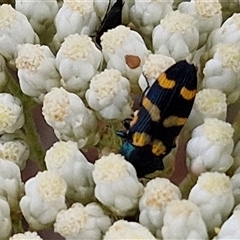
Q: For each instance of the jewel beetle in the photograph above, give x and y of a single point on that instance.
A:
(151, 133)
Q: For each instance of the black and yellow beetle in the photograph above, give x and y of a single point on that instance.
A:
(152, 132)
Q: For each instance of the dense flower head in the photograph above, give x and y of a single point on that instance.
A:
(188, 216)
(15, 150)
(11, 113)
(69, 117)
(74, 16)
(213, 195)
(77, 46)
(157, 194)
(128, 230)
(53, 191)
(7, 15)
(29, 57)
(14, 29)
(77, 183)
(117, 185)
(114, 38)
(79, 222)
(228, 53)
(209, 103)
(83, 7)
(208, 8)
(177, 22)
(210, 147)
(37, 70)
(62, 158)
(218, 131)
(108, 94)
(176, 36)
(44, 198)
(78, 60)
(109, 168)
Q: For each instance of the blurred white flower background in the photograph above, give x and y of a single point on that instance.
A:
(64, 92)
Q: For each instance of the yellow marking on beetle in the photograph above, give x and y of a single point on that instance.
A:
(174, 121)
(164, 82)
(188, 94)
(152, 109)
(141, 139)
(158, 148)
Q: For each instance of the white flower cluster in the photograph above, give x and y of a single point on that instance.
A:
(37, 70)
(78, 60)
(65, 159)
(117, 185)
(49, 61)
(69, 117)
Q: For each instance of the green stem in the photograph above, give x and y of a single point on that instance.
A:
(17, 223)
(30, 133)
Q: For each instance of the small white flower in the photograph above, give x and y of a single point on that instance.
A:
(75, 16)
(78, 60)
(228, 33)
(79, 222)
(44, 198)
(157, 193)
(40, 14)
(11, 113)
(109, 95)
(214, 197)
(128, 230)
(11, 186)
(223, 71)
(3, 75)
(145, 15)
(208, 16)
(37, 70)
(208, 103)
(210, 147)
(14, 29)
(14, 149)
(65, 159)
(5, 220)
(230, 228)
(25, 236)
(183, 220)
(124, 50)
(176, 36)
(117, 185)
(154, 65)
(66, 113)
